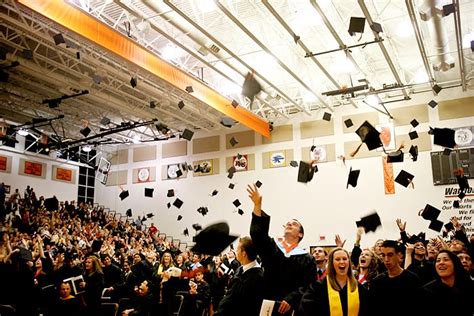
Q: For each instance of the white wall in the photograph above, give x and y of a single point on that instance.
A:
(324, 206)
(46, 187)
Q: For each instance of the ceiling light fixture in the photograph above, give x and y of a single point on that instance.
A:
(23, 132)
(86, 148)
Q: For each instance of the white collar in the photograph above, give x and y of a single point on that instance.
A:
(250, 265)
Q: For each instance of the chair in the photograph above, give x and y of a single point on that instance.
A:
(7, 310)
(177, 304)
(109, 309)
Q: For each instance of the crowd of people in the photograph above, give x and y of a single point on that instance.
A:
(60, 258)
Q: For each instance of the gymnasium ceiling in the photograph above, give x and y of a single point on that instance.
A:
(219, 42)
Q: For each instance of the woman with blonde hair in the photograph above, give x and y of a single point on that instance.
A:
(93, 285)
(339, 294)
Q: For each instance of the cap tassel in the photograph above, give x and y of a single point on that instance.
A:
(352, 154)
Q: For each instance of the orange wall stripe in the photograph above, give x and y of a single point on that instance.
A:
(106, 37)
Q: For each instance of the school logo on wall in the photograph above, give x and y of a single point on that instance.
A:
(203, 168)
(241, 162)
(173, 171)
(318, 153)
(278, 159)
(144, 175)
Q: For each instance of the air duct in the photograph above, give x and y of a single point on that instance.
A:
(432, 11)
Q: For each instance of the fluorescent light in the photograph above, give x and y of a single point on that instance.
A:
(23, 132)
(373, 100)
(86, 148)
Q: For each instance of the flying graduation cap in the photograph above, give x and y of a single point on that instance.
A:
(149, 192)
(124, 194)
(305, 172)
(444, 137)
(352, 178)
(414, 152)
(370, 222)
(213, 239)
(368, 135)
(251, 87)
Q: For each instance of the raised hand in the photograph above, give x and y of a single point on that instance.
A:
(339, 241)
(401, 225)
(256, 198)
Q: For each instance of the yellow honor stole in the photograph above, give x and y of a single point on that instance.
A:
(335, 306)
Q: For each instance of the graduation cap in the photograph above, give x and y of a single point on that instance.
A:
(251, 87)
(370, 222)
(432, 104)
(85, 131)
(143, 219)
(180, 105)
(429, 213)
(129, 212)
(444, 137)
(327, 116)
(236, 203)
(368, 135)
(413, 135)
(51, 204)
(233, 141)
(294, 163)
(461, 195)
(105, 121)
(414, 152)
(189, 89)
(421, 237)
(447, 152)
(197, 227)
(235, 104)
(96, 245)
(437, 88)
(231, 172)
(231, 186)
(305, 172)
(179, 218)
(456, 204)
(149, 192)
(352, 178)
(133, 82)
(25, 254)
(124, 194)
(228, 122)
(356, 25)
(396, 156)
(214, 193)
(213, 239)
(168, 204)
(462, 182)
(179, 173)
(240, 211)
(348, 123)
(186, 232)
(436, 225)
(203, 210)
(170, 193)
(414, 123)
(178, 203)
(258, 184)
(59, 39)
(404, 178)
(187, 134)
(150, 215)
(449, 226)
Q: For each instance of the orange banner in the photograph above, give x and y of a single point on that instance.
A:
(388, 179)
(33, 168)
(64, 174)
(108, 38)
(3, 163)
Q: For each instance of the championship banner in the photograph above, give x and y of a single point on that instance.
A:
(33, 168)
(64, 174)
(3, 163)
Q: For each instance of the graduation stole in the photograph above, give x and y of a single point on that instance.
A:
(335, 306)
(288, 247)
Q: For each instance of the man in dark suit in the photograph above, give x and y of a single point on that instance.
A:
(287, 267)
(245, 293)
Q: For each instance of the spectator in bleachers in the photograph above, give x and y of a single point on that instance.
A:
(93, 285)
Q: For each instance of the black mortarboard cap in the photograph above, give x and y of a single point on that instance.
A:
(413, 135)
(432, 104)
(251, 87)
(129, 212)
(25, 254)
(436, 225)
(231, 186)
(179, 173)
(189, 89)
(449, 226)
(352, 178)
(213, 239)
(150, 215)
(348, 123)
(236, 203)
(414, 123)
(447, 151)
(233, 141)
(437, 88)
(370, 222)
(463, 183)
(214, 193)
(179, 218)
(143, 219)
(430, 213)
(186, 232)
(369, 135)
(228, 122)
(461, 195)
(414, 152)
(51, 204)
(168, 204)
(448, 9)
(404, 178)
(149, 192)
(231, 172)
(197, 227)
(240, 211)
(187, 134)
(123, 195)
(170, 193)
(105, 121)
(444, 137)
(96, 245)
(133, 82)
(235, 104)
(85, 131)
(180, 105)
(305, 172)
(258, 184)
(396, 156)
(58, 39)
(294, 163)
(327, 116)
(356, 25)
(203, 210)
(178, 203)
(456, 204)
(376, 27)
